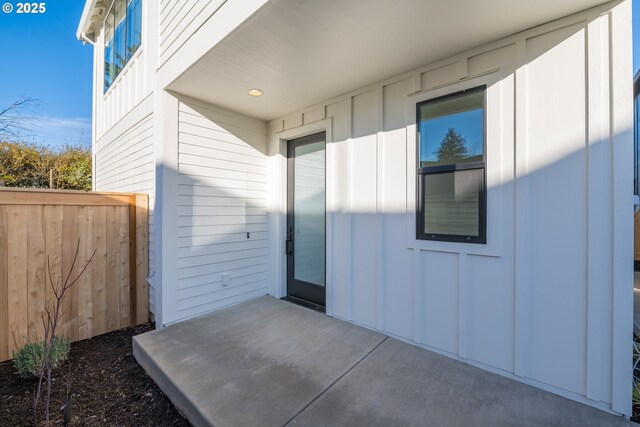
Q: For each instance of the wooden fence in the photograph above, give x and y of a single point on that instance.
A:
(40, 227)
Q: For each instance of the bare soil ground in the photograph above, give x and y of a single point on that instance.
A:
(108, 388)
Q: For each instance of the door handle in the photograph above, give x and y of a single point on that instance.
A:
(288, 250)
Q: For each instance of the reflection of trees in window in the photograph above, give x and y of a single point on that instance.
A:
(451, 203)
(134, 21)
(123, 36)
(453, 147)
(131, 50)
(109, 70)
(120, 63)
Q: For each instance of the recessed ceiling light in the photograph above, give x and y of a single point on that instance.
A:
(255, 92)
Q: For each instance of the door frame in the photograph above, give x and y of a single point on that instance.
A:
(311, 290)
(277, 221)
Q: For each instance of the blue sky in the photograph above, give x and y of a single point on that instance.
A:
(49, 64)
(468, 124)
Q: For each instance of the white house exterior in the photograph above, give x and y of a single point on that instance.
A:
(517, 259)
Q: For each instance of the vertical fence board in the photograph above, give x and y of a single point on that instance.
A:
(84, 282)
(133, 253)
(123, 266)
(4, 286)
(90, 250)
(141, 258)
(70, 270)
(40, 232)
(113, 282)
(17, 276)
(53, 248)
(100, 271)
(36, 284)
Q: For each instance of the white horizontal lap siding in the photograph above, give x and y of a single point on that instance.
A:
(126, 163)
(179, 19)
(536, 302)
(222, 196)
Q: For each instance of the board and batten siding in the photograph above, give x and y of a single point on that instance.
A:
(134, 83)
(179, 19)
(222, 217)
(537, 302)
(127, 163)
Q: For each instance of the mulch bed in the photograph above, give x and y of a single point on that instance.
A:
(107, 385)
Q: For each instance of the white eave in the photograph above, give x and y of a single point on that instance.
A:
(89, 21)
(302, 52)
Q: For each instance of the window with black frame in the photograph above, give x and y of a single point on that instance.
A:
(122, 37)
(451, 203)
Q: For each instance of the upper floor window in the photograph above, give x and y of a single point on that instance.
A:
(122, 37)
(451, 167)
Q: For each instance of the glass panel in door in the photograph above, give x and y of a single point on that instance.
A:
(306, 220)
(309, 223)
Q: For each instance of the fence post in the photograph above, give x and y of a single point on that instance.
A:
(142, 258)
(4, 286)
(132, 259)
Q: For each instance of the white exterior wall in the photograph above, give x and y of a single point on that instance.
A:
(543, 301)
(133, 84)
(179, 20)
(547, 301)
(123, 126)
(222, 195)
(127, 163)
(187, 30)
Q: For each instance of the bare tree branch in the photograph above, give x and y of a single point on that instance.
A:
(13, 122)
(50, 319)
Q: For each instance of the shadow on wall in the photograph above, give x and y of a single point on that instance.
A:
(542, 306)
(222, 209)
(461, 304)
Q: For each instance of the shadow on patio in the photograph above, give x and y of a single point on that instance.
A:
(271, 363)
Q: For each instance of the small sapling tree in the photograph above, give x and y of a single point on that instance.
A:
(50, 321)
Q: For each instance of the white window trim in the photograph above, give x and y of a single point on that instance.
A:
(495, 109)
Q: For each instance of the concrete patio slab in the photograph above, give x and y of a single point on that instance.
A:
(271, 363)
(402, 385)
(255, 364)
